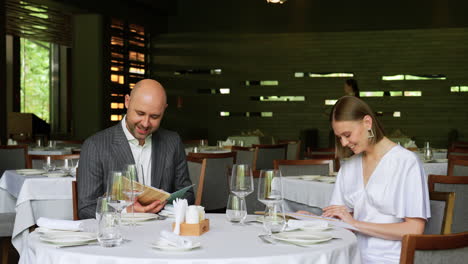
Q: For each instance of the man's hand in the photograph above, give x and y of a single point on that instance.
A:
(153, 207)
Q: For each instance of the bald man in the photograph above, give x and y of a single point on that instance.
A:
(137, 139)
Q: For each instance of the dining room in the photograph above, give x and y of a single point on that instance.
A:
(247, 82)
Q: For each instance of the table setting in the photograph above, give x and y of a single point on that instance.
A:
(191, 235)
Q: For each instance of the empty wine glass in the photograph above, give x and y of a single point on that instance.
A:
(118, 194)
(270, 193)
(241, 184)
(135, 186)
(68, 166)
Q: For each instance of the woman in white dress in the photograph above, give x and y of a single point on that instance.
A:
(381, 189)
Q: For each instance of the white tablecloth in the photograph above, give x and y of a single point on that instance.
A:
(310, 193)
(224, 243)
(435, 155)
(33, 197)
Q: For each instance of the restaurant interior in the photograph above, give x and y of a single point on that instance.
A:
(242, 77)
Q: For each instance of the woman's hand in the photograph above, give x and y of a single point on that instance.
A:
(339, 211)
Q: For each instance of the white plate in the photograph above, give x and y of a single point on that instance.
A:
(55, 174)
(139, 217)
(327, 179)
(166, 213)
(44, 230)
(68, 238)
(162, 245)
(302, 237)
(310, 177)
(30, 171)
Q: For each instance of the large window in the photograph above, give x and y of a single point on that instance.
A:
(35, 78)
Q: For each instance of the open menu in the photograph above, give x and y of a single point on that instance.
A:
(151, 194)
(329, 220)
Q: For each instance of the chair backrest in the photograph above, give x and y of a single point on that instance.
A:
(457, 167)
(463, 144)
(304, 167)
(323, 153)
(431, 249)
(244, 155)
(13, 157)
(458, 185)
(212, 189)
(294, 149)
(75, 200)
(265, 155)
(36, 161)
(442, 204)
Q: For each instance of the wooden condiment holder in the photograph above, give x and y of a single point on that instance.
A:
(194, 229)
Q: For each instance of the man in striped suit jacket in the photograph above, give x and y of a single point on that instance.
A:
(137, 139)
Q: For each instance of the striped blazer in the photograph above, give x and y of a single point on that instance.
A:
(109, 150)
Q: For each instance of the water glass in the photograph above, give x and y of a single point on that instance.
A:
(241, 182)
(236, 210)
(109, 232)
(274, 220)
(48, 165)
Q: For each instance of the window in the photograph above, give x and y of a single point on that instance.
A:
(35, 78)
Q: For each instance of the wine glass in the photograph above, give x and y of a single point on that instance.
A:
(119, 194)
(270, 193)
(135, 185)
(242, 184)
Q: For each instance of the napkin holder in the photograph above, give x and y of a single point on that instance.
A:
(194, 229)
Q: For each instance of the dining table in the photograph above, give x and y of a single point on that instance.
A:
(49, 151)
(225, 242)
(32, 197)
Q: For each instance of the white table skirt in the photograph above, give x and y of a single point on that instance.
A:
(436, 168)
(311, 193)
(33, 197)
(65, 151)
(224, 243)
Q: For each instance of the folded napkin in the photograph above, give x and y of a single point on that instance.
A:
(88, 225)
(175, 240)
(310, 224)
(180, 207)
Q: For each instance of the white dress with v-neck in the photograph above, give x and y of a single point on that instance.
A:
(396, 189)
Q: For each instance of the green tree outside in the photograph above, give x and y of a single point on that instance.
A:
(35, 78)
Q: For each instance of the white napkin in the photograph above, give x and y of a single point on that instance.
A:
(175, 240)
(180, 207)
(88, 225)
(311, 224)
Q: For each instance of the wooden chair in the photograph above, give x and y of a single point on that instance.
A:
(265, 155)
(294, 149)
(304, 167)
(244, 155)
(75, 200)
(52, 157)
(13, 157)
(457, 167)
(442, 204)
(458, 185)
(431, 249)
(323, 153)
(209, 172)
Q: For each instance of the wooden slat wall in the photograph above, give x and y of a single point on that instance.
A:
(368, 54)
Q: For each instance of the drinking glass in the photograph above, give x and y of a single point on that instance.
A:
(48, 165)
(241, 184)
(270, 193)
(136, 185)
(235, 210)
(119, 193)
(109, 232)
(68, 166)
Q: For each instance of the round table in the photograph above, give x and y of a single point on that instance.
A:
(224, 243)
